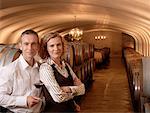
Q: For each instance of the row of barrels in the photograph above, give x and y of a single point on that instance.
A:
(14, 45)
(135, 66)
(85, 71)
(80, 56)
(8, 53)
(101, 55)
(76, 53)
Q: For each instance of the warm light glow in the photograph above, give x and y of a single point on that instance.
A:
(76, 33)
(100, 37)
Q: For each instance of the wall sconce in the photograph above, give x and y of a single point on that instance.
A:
(100, 37)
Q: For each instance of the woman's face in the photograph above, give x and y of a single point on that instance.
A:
(55, 48)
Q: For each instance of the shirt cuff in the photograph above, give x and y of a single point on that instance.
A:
(21, 101)
(73, 90)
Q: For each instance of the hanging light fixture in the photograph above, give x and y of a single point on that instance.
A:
(76, 33)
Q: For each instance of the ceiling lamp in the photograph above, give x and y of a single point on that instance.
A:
(76, 33)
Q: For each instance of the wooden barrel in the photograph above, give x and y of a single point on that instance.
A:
(86, 52)
(146, 76)
(69, 54)
(14, 45)
(78, 53)
(92, 65)
(89, 68)
(128, 45)
(2, 47)
(91, 49)
(98, 56)
(8, 54)
(136, 88)
(83, 73)
(147, 107)
(79, 73)
(135, 77)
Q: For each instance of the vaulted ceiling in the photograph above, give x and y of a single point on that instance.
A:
(128, 16)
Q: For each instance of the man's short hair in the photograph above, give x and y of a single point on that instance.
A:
(29, 31)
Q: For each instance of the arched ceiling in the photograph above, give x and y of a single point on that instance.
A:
(128, 16)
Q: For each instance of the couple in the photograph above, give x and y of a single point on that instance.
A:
(17, 90)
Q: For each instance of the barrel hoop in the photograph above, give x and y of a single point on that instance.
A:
(10, 55)
(2, 48)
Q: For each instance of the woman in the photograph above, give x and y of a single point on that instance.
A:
(58, 77)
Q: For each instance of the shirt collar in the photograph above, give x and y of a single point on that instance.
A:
(51, 62)
(25, 65)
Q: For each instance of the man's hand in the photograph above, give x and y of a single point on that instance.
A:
(32, 100)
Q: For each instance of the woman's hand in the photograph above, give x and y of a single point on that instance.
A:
(77, 81)
(66, 89)
(77, 107)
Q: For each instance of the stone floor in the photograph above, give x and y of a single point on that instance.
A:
(109, 92)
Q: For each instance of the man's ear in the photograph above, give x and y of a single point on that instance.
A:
(20, 46)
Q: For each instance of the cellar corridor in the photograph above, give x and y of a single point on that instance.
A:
(109, 92)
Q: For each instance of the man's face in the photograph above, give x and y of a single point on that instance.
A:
(29, 45)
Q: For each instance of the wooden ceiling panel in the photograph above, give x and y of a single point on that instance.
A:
(131, 17)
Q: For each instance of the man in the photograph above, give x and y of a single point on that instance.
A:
(17, 90)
